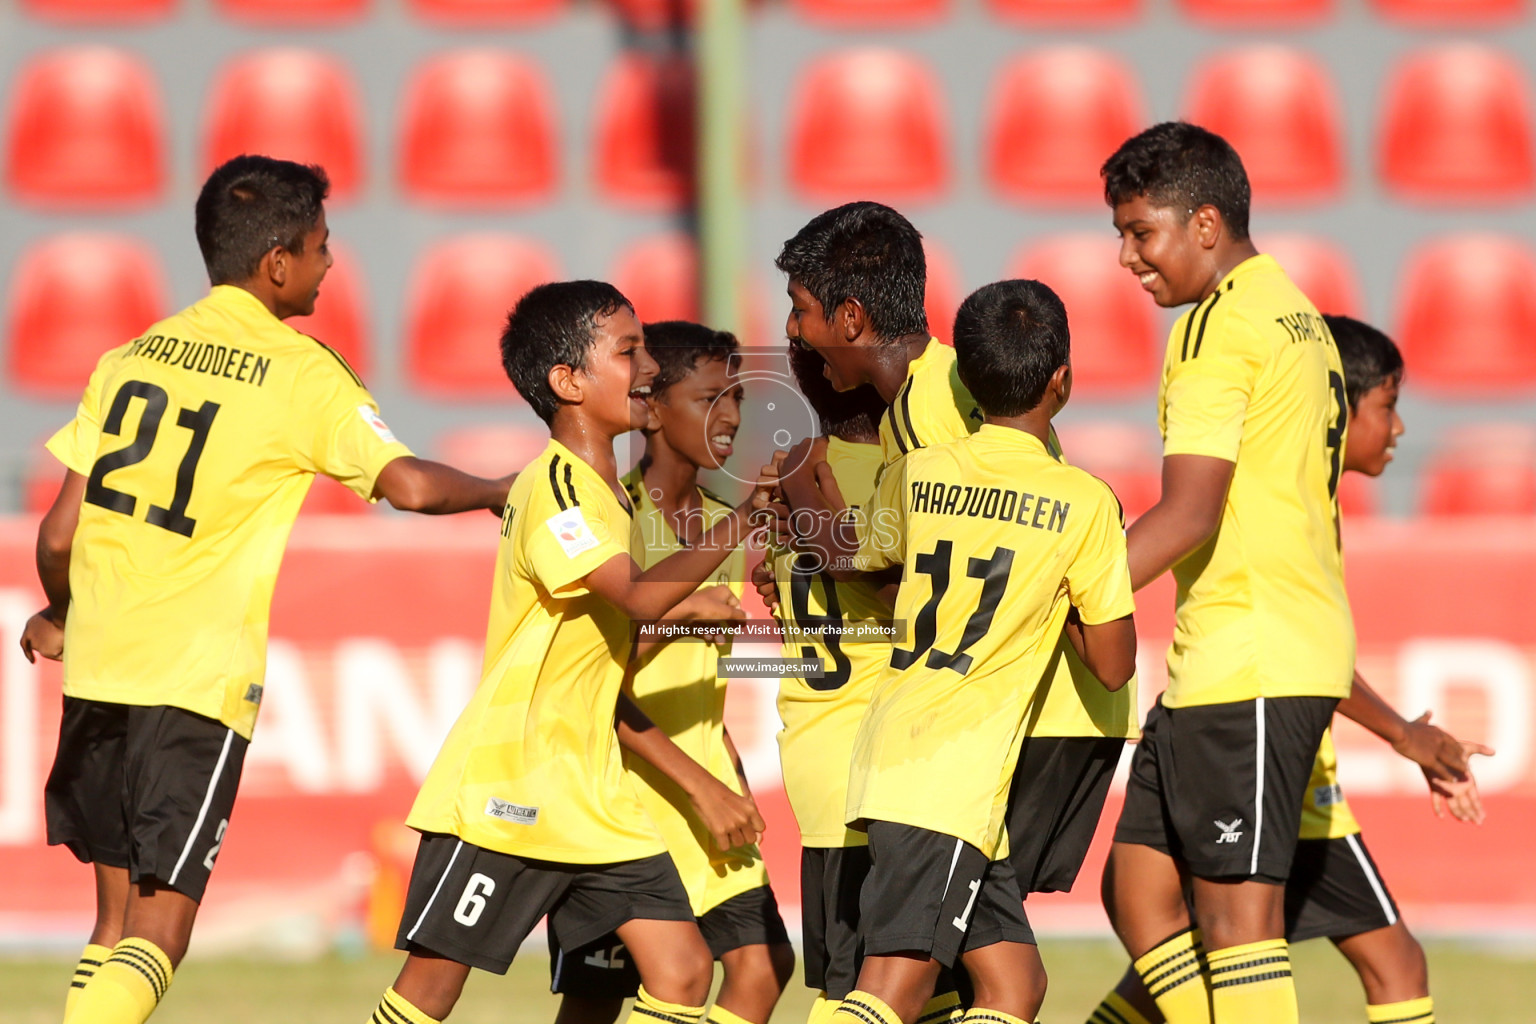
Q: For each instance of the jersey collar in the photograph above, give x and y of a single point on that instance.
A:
(1259, 263)
(233, 295)
(1008, 437)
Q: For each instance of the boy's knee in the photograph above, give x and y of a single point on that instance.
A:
(762, 969)
(783, 957)
(684, 976)
(1020, 993)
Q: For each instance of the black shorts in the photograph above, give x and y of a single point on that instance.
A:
(149, 789)
(932, 893)
(1220, 786)
(476, 906)
(1054, 806)
(830, 881)
(1335, 891)
(603, 969)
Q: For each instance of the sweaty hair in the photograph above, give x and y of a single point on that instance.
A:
(1010, 337)
(251, 205)
(1370, 357)
(863, 251)
(1184, 166)
(554, 325)
(851, 415)
(678, 345)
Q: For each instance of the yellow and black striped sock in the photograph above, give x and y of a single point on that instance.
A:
(1115, 1010)
(1252, 984)
(720, 1015)
(860, 1007)
(126, 988)
(822, 1009)
(1174, 973)
(92, 957)
(396, 1009)
(1412, 1011)
(983, 1015)
(944, 1008)
(650, 1010)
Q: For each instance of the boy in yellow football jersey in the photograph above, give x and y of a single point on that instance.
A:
(1335, 890)
(821, 713)
(999, 543)
(1252, 410)
(188, 459)
(527, 810)
(694, 413)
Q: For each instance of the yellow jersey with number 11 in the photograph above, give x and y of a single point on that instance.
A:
(199, 440)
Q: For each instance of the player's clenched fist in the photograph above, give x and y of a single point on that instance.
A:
(43, 637)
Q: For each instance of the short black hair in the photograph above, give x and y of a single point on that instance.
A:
(863, 251)
(250, 205)
(554, 325)
(1370, 358)
(1010, 337)
(678, 345)
(851, 415)
(1184, 166)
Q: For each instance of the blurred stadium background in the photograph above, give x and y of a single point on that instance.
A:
(477, 147)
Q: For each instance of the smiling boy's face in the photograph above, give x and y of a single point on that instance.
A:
(618, 374)
(808, 325)
(699, 415)
(1374, 427)
(1163, 247)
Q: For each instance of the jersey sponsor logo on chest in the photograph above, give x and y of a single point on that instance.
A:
(517, 814)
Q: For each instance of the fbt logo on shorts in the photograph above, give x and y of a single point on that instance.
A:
(508, 811)
(1229, 831)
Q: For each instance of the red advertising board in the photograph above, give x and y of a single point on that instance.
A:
(377, 628)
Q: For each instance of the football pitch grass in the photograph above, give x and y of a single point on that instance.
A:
(1471, 984)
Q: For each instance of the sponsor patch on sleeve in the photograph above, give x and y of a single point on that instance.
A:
(372, 418)
(570, 528)
(1327, 796)
(517, 814)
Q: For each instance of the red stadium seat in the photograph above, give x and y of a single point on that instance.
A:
(1320, 269)
(656, 14)
(494, 449)
(944, 295)
(99, 12)
(1458, 127)
(1482, 471)
(1453, 12)
(73, 298)
(1090, 13)
(872, 13)
(660, 276)
(1279, 13)
(644, 152)
(85, 128)
(41, 480)
(479, 128)
(1056, 117)
(461, 293)
(341, 313)
(1114, 323)
(486, 12)
(1279, 110)
(291, 104)
(294, 12)
(1359, 496)
(869, 123)
(1126, 457)
(1467, 315)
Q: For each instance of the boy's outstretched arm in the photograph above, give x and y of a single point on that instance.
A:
(1185, 517)
(732, 820)
(44, 632)
(1107, 649)
(420, 485)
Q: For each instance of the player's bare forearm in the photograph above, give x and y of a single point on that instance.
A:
(1108, 649)
(732, 819)
(1442, 756)
(55, 538)
(735, 756)
(432, 488)
(1365, 707)
(1185, 517)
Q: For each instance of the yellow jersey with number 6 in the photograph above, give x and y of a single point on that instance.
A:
(199, 441)
(1252, 376)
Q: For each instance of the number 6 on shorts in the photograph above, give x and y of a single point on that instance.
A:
(472, 903)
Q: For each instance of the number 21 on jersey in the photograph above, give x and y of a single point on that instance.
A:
(198, 422)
